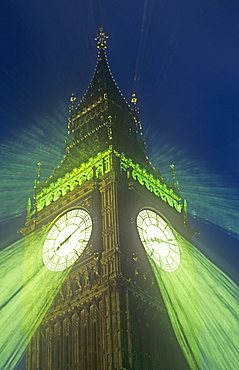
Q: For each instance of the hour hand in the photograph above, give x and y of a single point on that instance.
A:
(155, 239)
(64, 241)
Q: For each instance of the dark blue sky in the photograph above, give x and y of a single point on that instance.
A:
(181, 58)
(182, 54)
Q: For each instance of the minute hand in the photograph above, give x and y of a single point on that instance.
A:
(66, 239)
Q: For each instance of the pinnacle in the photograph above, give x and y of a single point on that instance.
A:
(101, 38)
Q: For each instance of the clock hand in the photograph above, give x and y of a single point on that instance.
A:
(155, 239)
(76, 253)
(66, 240)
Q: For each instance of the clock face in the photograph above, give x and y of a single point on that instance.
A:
(67, 239)
(158, 240)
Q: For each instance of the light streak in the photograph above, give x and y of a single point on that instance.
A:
(202, 303)
(210, 197)
(144, 31)
(19, 157)
(27, 291)
(213, 295)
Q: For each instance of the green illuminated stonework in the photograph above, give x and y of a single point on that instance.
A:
(153, 184)
(98, 166)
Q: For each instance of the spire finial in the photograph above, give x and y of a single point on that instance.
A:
(101, 38)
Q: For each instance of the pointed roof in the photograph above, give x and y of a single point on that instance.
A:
(103, 122)
(102, 81)
(103, 117)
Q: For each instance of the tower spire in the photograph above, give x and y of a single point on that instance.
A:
(101, 39)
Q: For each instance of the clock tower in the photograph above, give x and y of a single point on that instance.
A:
(101, 215)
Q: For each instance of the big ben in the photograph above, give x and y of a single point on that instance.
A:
(103, 213)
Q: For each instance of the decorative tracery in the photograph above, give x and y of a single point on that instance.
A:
(102, 163)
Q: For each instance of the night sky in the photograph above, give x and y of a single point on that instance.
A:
(181, 58)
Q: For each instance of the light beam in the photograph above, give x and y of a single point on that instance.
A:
(202, 303)
(27, 291)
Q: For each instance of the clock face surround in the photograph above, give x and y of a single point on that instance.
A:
(67, 239)
(158, 240)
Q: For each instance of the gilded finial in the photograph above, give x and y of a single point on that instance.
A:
(72, 98)
(173, 171)
(37, 180)
(72, 102)
(101, 39)
(71, 109)
(39, 169)
(134, 99)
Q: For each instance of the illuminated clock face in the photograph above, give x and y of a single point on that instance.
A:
(158, 240)
(67, 239)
